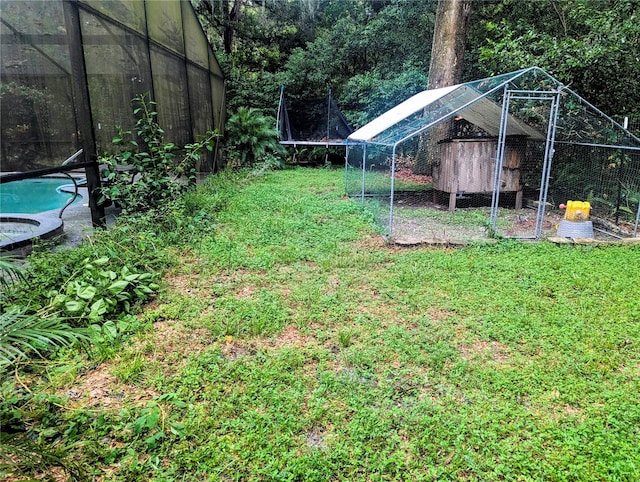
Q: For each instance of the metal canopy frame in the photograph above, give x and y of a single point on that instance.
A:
(283, 125)
(404, 121)
(410, 125)
(529, 95)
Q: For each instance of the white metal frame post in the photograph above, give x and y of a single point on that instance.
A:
(543, 96)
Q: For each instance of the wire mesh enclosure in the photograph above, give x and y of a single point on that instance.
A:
(496, 157)
(71, 67)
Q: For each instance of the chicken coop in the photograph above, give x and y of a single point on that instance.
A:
(496, 157)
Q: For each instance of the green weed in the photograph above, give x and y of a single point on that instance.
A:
(344, 338)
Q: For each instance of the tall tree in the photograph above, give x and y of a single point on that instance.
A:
(225, 15)
(445, 68)
(449, 39)
(231, 11)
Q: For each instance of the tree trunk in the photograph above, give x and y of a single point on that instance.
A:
(224, 16)
(232, 17)
(449, 38)
(445, 69)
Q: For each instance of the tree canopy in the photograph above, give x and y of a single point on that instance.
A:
(375, 53)
(592, 45)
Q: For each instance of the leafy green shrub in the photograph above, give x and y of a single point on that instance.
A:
(251, 137)
(98, 291)
(148, 172)
(9, 273)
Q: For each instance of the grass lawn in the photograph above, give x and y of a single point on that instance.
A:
(291, 343)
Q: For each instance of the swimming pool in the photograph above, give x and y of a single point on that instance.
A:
(31, 196)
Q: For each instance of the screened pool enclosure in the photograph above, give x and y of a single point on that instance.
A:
(495, 157)
(70, 69)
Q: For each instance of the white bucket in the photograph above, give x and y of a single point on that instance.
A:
(575, 229)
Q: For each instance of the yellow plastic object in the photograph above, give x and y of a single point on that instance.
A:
(577, 211)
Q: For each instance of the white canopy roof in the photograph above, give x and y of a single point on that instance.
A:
(465, 101)
(400, 112)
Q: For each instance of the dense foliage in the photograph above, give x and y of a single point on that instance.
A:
(373, 53)
(592, 45)
(252, 138)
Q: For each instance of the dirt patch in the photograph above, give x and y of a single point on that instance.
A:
(188, 284)
(290, 337)
(425, 222)
(428, 223)
(56, 474)
(370, 242)
(523, 223)
(439, 314)
(573, 411)
(483, 350)
(233, 350)
(168, 347)
(421, 217)
(173, 338)
(316, 438)
(407, 175)
(245, 292)
(193, 283)
(100, 389)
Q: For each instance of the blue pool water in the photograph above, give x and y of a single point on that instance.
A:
(32, 196)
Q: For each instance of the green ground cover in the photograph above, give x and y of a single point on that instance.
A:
(290, 343)
(379, 183)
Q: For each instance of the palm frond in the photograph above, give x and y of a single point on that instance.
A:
(20, 456)
(22, 334)
(10, 272)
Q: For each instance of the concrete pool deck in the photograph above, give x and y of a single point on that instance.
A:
(21, 229)
(76, 225)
